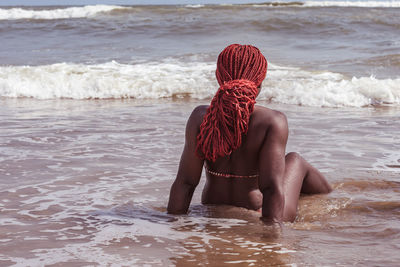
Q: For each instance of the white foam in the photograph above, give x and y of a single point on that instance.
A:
(366, 4)
(173, 78)
(194, 6)
(390, 161)
(241, 261)
(60, 13)
(109, 80)
(372, 4)
(296, 86)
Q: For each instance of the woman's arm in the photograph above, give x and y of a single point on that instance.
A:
(272, 168)
(190, 167)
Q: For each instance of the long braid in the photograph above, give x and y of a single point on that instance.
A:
(240, 71)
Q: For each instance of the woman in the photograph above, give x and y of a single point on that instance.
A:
(242, 147)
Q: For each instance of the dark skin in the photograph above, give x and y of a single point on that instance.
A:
(282, 178)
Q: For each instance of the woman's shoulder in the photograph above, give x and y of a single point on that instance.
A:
(268, 117)
(265, 112)
(197, 115)
(200, 110)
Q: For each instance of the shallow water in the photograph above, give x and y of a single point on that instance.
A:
(93, 105)
(86, 182)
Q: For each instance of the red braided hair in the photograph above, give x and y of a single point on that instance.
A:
(240, 71)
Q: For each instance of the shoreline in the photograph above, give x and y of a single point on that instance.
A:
(92, 177)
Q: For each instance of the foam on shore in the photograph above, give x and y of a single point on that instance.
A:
(371, 4)
(173, 78)
(59, 13)
(366, 4)
(89, 11)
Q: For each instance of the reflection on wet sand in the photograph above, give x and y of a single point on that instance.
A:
(90, 185)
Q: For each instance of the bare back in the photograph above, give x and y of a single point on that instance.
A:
(244, 161)
(280, 177)
(274, 180)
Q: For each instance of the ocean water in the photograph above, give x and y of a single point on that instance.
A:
(93, 106)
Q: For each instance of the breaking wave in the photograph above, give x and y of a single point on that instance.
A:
(93, 10)
(59, 13)
(173, 78)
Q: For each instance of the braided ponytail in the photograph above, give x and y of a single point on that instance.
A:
(240, 71)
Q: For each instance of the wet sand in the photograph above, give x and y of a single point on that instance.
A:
(86, 182)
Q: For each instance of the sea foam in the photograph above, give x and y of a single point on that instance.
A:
(300, 87)
(59, 13)
(108, 80)
(173, 78)
(195, 6)
(372, 4)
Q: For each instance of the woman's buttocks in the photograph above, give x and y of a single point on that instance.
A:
(241, 192)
